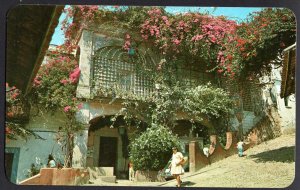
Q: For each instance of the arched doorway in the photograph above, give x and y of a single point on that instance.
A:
(108, 143)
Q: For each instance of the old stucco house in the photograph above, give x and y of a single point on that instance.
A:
(105, 65)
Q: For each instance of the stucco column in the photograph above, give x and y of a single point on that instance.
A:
(85, 64)
(213, 143)
(80, 148)
(197, 159)
(228, 140)
(90, 149)
(192, 156)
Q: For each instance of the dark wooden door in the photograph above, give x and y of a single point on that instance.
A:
(108, 152)
(9, 158)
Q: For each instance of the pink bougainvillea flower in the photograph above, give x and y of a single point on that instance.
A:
(10, 114)
(213, 39)
(80, 106)
(152, 32)
(145, 37)
(64, 81)
(197, 37)
(15, 95)
(7, 130)
(74, 76)
(127, 45)
(67, 108)
(176, 41)
(229, 57)
(37, 81)
(228, 69)
(164, 18)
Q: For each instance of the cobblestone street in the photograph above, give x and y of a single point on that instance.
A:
(250, 171)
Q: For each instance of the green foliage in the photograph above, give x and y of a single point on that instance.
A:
(34, 170)
(161, 107)
(206, 100)
(52, 88)
(263, 38)
(14, 130)
(167, 104)
(152, 149)
(17, 115)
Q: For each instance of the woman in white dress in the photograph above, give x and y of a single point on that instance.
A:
(176, 165)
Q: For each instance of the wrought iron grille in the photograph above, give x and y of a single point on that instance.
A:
(113, 68)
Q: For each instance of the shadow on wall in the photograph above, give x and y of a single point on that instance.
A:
(284, 154)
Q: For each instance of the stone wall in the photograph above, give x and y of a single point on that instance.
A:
(267, 128)
(216, 151)
(54, 176)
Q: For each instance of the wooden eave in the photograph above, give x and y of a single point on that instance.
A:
(29, 32)
(288, 72)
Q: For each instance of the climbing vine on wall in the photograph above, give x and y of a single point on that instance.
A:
(221, 44)
(54, 89)
(161, 107)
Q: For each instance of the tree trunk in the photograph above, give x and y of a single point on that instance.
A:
(69, 150)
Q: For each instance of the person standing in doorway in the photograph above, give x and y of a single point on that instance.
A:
(176, 165)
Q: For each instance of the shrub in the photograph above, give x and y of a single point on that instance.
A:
(152, 150)
(207, 100)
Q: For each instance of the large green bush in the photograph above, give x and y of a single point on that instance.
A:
(153, 149)
(207, 100)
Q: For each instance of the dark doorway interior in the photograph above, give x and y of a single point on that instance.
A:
(9, 158)
(108, 152)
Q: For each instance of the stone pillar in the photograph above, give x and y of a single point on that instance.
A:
(192, 156)
(197, 159)
(80, 148)
(213, 143)
(216, 151)
(231, 142)
(228, 140)
(85, 64)
(90, 149)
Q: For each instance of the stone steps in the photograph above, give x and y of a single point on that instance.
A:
(101, 174)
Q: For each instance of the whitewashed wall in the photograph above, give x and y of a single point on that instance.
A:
(288, 114)
(36, 151)
(91, 110)
(80, 149)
